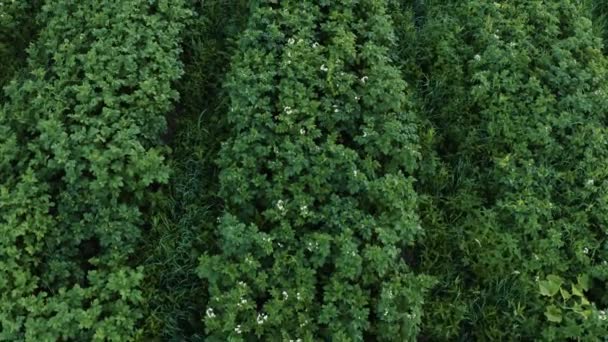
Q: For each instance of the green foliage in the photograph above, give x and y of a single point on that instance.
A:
(317, 182)
(182, 228)
(599, 14)
(309, 193)
(517, 93)
(79, 147)
(17, 27)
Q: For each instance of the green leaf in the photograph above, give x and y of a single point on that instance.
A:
(577, 291)
(554, 314)
(550, 286)
(583, 281)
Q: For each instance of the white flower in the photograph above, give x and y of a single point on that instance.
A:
(285, 295)
(281, 205)
(602, 315)
(365, 134)
(287, 109)
(304, 209)
(586, 250)
(241, 283)
(210, 313)
(590, 182)
(357, 98)
(298, 296)
(238, 329)
(336, 110)
(262, 318)
(291, 41)
(302, 131)
(512, 44)
(516, 272)
(243, 301)
(364, 79)
(355, 173)
(315, 45)
(495, 36)
(477, 58)
(537, 278)
(324, 68)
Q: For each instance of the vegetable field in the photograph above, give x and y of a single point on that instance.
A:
(296, 170)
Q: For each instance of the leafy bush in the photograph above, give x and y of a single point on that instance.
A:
(317, 182)
(516, 226)
(79, 146)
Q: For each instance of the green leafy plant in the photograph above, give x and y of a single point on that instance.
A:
(516, 93)
(80, 149)
(317, 184)
(569, 310)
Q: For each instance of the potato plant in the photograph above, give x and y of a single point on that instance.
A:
(80, 150)
(317, 180)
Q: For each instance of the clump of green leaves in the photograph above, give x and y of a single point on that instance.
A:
(79, 152)
(317, 182)
(517, 93)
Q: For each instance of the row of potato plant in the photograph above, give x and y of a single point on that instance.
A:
(79, 153)
(316, 179)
